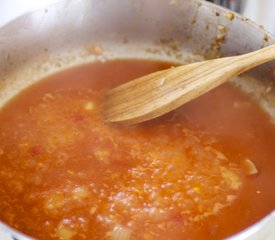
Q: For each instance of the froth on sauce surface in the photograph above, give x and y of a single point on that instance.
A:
(204, 171)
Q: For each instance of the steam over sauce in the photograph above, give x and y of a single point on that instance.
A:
(204, 171)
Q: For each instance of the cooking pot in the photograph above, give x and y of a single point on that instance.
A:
(182, 31)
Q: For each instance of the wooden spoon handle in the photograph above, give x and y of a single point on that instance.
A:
(214, 72)
(253, 59)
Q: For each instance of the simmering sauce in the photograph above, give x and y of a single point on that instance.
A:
(204, 171)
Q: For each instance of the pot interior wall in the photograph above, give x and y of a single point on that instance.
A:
(182, 31)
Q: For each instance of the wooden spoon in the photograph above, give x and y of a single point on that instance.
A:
(160, 92)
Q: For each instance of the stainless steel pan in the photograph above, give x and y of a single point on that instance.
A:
(73, 32)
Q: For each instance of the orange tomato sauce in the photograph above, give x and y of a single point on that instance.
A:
(204, 171)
